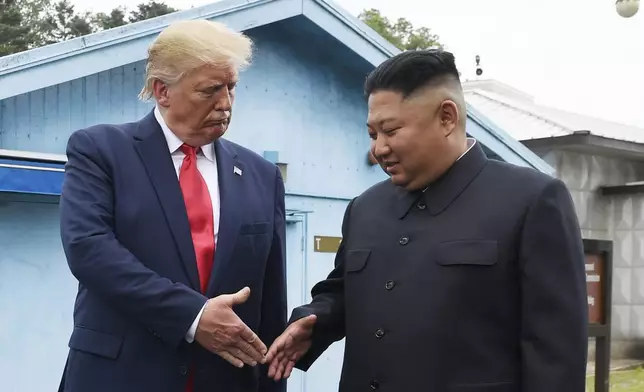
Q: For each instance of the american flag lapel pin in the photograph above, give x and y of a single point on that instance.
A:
(237, 170)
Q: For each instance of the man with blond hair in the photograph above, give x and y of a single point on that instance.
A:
(175, 235)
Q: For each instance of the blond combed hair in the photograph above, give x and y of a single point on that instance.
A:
(186, 45)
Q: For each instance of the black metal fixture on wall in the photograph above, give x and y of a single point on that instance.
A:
(479, 70)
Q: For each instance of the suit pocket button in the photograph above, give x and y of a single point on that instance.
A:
(183, 370)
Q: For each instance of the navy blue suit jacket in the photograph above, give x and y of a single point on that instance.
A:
(126, 236)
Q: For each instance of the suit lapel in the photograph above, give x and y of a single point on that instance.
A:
(153, 151)
(231, 201)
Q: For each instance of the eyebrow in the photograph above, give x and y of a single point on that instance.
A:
(211, 86)
(207, 86)
(382, 121)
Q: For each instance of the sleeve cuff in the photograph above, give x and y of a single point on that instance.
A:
(190, 335)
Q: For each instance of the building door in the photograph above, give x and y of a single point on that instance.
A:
(324, 375)
(295, 281)
(37, 294)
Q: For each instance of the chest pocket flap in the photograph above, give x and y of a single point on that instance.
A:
(355, 260)
(467, 252)
(95, 342)
(255, 228)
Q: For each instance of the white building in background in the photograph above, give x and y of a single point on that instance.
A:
(602, 163)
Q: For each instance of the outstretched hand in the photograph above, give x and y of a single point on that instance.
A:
(289, 347)
(222, 332)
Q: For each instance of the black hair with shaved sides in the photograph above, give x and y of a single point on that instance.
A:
(413, 70)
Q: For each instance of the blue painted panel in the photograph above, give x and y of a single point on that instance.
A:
(80, 57)
(272, 156)
(354, 34)
(295, 279)
(294, 99)
(324, 219)
(102, 51)
(37, 291)
(30, 177)
(37, 295)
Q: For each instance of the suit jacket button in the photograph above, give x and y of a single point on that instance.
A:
(375, 384)
(422, 206)
(380, 333)
(183, 370)
(404, 240)
(390, 285)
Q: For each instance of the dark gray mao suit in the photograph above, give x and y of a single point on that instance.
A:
(476, 285)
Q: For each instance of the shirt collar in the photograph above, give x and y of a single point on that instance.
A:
(470, 143)
(174, 142)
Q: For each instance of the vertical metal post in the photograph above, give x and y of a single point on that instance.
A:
(599, 261)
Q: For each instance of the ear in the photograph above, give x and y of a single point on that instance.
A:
(161, 93)
(449, 116)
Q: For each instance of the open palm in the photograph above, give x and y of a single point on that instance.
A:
(289, 347)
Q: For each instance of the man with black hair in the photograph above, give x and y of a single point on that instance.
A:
(457, 274)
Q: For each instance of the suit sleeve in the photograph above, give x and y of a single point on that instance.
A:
(101, 264)
(327, 305)
(554, 337)
(274, 295)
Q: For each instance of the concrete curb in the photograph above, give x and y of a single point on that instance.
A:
(627, 367)
(615, 368)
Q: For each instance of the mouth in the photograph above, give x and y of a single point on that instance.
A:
(217, 123)
(390, 167)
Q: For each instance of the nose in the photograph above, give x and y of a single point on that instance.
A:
(224, 102)
(380, 147)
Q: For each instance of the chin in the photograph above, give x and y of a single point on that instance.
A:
(399, 180)
(214, 133)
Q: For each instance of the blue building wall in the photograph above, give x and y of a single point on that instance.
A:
(36, 296)
(302, 98)
(292, 100)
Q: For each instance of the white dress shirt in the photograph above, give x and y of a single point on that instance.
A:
(207, 166)
(470, 143)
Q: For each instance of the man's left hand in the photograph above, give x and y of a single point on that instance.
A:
(289, 347)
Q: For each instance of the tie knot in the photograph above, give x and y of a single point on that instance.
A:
(189, 150)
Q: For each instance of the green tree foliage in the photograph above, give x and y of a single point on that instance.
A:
(61, 22)
(114, 19)
(27, 24)
(14, 33)
(400, 33)
(150, 10)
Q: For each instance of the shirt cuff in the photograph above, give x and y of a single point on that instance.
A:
(190, 335)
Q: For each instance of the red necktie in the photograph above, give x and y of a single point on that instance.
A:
(199, 208)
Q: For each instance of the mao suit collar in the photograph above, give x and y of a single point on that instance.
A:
(441, 193)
